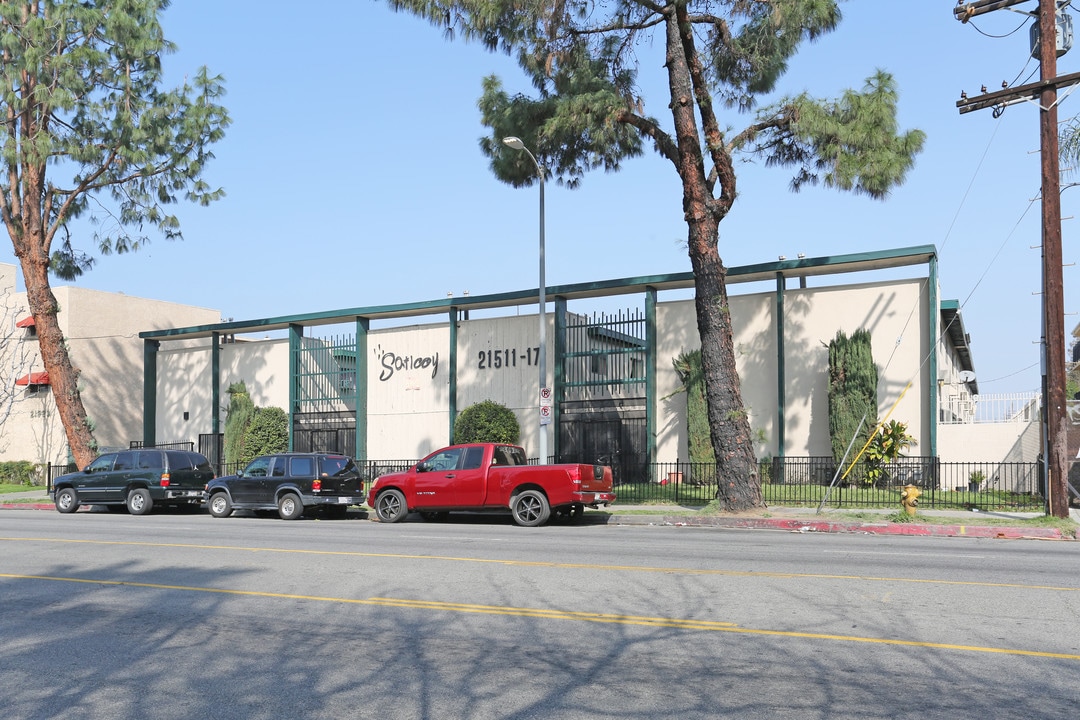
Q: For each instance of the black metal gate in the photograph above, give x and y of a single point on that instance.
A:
(603, 409)
(333, 432)
(616, 439)
(324, 415)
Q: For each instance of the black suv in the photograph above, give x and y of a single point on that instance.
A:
(137, 479)
(289, 483)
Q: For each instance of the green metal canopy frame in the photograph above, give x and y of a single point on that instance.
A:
(457, 307)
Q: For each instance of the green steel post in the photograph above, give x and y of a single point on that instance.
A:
(150, 351)
(363, 325)
(452, 399)
(650, 377)
(934, 311)
(215, 389)
(296, 336)
(558, 375)
(781, 392)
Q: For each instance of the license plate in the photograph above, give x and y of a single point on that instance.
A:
(343, 501)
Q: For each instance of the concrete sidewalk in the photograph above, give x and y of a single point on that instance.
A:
(947, 523)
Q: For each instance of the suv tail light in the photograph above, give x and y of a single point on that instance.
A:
(316, 485)
(164, 479)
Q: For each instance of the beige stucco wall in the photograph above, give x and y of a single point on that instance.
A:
(184, 384)
(499, 360)
(102, 331)
(893, 312)
(408, 390)
(1005, 442)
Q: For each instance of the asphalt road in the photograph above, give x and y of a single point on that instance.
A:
(186, 616)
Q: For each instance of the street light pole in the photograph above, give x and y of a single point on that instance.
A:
(517, 144)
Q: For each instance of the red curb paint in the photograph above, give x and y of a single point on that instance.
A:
(824, 526)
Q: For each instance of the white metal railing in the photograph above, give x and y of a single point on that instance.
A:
(961, 409)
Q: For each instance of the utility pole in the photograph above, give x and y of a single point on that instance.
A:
(1054, 410)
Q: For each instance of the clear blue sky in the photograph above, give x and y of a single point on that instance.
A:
(354, 178)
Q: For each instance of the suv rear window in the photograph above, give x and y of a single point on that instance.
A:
(338, 466)
(179, 460)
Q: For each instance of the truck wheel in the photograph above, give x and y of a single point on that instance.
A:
(220, 505)
(139, 501)
(530, 508)
(390, 506)
(67, 500)
(289, 507)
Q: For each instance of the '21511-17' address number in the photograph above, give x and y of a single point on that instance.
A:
(507, 358)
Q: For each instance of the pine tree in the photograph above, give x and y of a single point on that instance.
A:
(86, 125)
(588, 113)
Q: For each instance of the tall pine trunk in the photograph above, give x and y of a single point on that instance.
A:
(738, 484)
(31, 247)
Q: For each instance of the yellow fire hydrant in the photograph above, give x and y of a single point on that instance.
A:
(909, 498)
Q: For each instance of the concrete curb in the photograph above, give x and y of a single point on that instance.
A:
(799, 525)
(827, 526)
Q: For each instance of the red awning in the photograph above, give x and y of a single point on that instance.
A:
(26, 322)
(37, 378)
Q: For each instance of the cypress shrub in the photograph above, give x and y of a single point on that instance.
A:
(853, 380)
(237, 418)
(688, 368)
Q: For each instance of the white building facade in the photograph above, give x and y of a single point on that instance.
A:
(380, 389)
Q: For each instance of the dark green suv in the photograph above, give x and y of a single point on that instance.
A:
(136, 479)
(289, 483)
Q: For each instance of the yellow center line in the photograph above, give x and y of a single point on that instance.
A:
(548, 614)
(559, 565)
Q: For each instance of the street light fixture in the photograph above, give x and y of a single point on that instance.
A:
(516, 144)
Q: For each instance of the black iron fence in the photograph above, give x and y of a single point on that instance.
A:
(813, 481)
(806, 481)
(54, 471)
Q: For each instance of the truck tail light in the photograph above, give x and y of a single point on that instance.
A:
(575, 476)
(164, 479)
(316, 485)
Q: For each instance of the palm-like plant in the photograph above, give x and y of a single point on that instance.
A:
(886, 446)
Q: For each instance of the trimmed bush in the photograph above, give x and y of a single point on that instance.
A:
(267, 433)
(487, 421)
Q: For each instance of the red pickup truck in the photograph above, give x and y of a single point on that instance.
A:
(487, 476)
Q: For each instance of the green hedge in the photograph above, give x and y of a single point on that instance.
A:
(20, 472)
